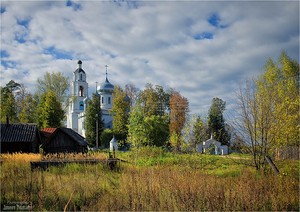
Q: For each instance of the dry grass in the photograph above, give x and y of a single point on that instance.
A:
(25, 157)
(74, 156)
(139, 188)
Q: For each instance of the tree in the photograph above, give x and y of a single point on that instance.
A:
(9, 107)
(155, 100)
(55, 82)
(179, 107)
(27, 113)
(120, 111)
(216, 122)
(149, 99)
(157, 130)
(253, 126)
(132, 93)
(93, 121)
(200, 129)
(281, 80)
(137, 133)
(49, 111)
(269, 109)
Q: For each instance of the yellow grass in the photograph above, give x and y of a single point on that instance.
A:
(25, 157)
(143, 188)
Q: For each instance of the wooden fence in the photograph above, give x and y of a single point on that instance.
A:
(287, 152)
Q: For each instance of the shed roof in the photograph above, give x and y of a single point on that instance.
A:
(18, 132)
(49, 133)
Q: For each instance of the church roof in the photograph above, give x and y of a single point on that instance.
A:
(106, 86)
(79, 69)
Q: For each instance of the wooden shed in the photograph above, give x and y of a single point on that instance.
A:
(56, 140)
(19, 138)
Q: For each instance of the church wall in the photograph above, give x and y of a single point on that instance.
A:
(79, 91)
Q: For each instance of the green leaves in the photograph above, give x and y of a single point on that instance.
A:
(55, 82)
(49, 111)
(93, 114)
(120, 111)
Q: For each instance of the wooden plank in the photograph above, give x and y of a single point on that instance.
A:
(111, 162)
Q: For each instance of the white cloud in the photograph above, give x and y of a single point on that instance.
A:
(148, 42)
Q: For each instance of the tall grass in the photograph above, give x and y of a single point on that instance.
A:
(172, 182)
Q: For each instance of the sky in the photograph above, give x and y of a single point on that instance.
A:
(203, 49)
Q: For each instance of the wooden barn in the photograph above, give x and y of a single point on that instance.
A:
(57, 140)
(19, 138)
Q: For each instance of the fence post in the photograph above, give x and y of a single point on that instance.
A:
(272, 164)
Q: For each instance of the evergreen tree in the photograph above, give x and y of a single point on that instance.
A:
(216, 122)
(93, 121)
(8, 103)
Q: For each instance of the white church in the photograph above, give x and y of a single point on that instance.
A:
(79, 99)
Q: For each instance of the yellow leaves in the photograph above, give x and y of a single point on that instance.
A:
(278, 95)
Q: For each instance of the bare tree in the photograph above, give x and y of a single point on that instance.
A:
(254, 125)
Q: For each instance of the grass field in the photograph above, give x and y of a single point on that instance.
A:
(152, 180)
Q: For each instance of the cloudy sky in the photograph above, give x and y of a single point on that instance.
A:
(203, 49)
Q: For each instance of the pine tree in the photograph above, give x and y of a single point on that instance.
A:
(216, 122)
(8, 103)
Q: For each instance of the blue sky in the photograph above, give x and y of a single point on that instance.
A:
(203, 49)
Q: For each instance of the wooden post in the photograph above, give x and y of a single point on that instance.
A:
(269, 160)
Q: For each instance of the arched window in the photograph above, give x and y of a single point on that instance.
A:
(102, 99)
(81, 105)
(80, 77)
(109, 100)
(80, 91)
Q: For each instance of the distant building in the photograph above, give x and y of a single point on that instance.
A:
(113, 144)
(212, 146)
(79, 101)
(19, 138)
(56, 140)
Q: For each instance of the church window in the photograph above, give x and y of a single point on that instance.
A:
(109, 100)
(80, 91)
(80, 77)
(81, 105)
(102, 99)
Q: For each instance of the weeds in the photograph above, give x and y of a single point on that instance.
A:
(162, 181)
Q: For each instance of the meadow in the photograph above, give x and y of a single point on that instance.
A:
(151, 180)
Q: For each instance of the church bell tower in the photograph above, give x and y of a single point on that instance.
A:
(79, 91)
